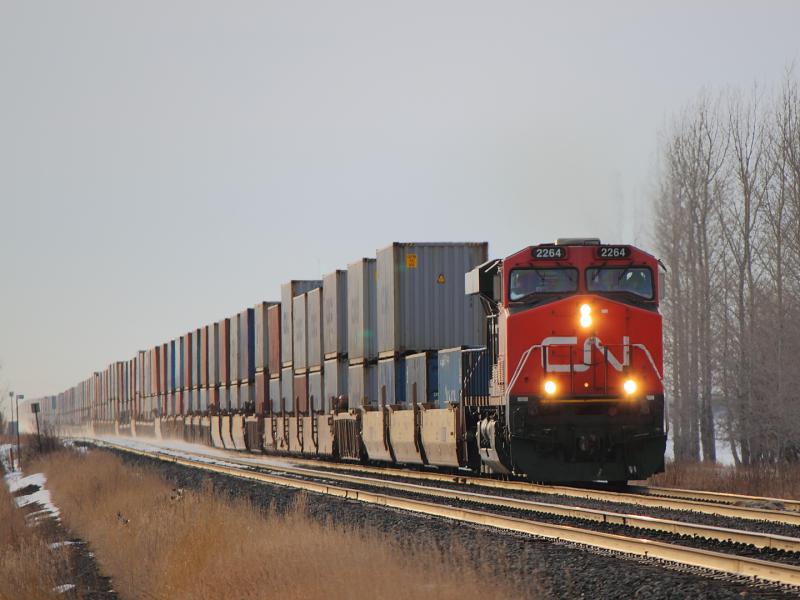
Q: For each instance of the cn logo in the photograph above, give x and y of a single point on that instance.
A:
(589, 345)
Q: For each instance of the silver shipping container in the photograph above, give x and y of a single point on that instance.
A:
(224, 398)
(391, 381)
(334, 314)
(213, 351)
(316, 398)
(275, 395)
(422, 380)
(246, 398)
(421, 300)
(362, 385)
(246, 345)
(335, 381)
(314, 328)
(361, 310)
(233, 350)
(299, 329)
(233, 393)
(197, 351)
(262, 335)
(287, 390)
(288, 291)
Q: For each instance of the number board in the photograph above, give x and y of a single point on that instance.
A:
(613, 252)
(549, 253)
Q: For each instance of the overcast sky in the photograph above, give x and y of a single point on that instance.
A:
(163, 164)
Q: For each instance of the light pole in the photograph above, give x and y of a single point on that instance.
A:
(19, 455)
(11, 398)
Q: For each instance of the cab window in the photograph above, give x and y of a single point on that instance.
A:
(637, 281)
(529, 282)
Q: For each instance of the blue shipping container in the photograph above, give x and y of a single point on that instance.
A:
(462, 372)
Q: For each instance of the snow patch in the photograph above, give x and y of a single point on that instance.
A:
(64, 587)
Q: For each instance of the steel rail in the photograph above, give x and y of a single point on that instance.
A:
(722, 534)
(684, 555)
(751, 513)
(722, 497)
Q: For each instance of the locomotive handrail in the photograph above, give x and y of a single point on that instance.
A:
(526, 355)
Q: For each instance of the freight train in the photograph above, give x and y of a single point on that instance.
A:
(547, 364)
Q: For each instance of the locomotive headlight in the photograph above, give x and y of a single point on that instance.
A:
(549, 387)
(629, 386)
(586, 315)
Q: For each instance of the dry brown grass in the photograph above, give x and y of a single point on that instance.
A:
(202, 546)
(776, 481)
(29, 569)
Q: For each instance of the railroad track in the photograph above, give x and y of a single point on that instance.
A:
(712, 503)
(320, 482)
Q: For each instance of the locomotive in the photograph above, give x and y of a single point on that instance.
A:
(575, 338)
(548, 365)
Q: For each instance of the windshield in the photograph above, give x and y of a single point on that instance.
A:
(632, 280)
(525, 282)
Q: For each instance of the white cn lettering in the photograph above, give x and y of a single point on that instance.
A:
(588, 345)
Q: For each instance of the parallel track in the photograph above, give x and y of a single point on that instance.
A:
(683, 555)
(713, 503)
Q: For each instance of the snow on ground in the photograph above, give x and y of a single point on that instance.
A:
(724, 453)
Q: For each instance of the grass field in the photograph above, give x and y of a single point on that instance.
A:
(777, 481)
(155, 542)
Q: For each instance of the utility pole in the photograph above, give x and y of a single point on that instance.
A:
(19, 454)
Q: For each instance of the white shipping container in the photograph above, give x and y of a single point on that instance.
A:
(299, 329)
(421, 300)
(288, 292)
(334, 314)
(361, 310)
(314, 328)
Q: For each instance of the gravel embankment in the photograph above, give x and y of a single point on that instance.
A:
(559, 570)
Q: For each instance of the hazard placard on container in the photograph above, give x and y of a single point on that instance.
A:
(411, 261)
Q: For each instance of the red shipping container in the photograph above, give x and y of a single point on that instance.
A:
(274, 334)
(262, 383)
(301, 393)
(204, 356)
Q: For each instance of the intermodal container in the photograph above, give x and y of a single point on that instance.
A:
(274, 335)
(299, 330)
(361, 311)
(287, 390)
(421, 300)
(187, 360)
(301, 393)
(463, 372)
(288, 291)
(334, 314)
(223, 354)
(261, 392)
(362, 385)
(196, 357)
(314, 328)
(204, 356)
(213, 353)
(316, 398)
(247, 345)
(422, 381)
(275, 394)
(233, 350)
(391, 381)
(262, 346)
(335, 382)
